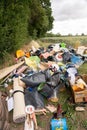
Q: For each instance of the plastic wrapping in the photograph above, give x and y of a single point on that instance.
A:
(76, 60)
(66, 57)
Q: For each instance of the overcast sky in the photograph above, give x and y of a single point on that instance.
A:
(70, 16)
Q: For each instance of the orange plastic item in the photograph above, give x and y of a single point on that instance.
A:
(78, 88)
(19, 53)
(27, 54)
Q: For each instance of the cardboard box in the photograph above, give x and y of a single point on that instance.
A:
(80, 96)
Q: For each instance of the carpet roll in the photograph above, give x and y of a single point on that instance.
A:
(19, 103)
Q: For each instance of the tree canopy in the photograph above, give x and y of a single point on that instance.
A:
(21, 19)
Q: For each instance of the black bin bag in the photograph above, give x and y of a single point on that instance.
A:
(34, 79)
(54, 80)
(34, 98)
(45, 90)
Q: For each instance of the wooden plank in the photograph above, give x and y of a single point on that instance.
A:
(4, 72)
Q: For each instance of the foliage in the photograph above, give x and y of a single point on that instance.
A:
(83, 68)
(40, 17)
(13, 29)
(21, 20)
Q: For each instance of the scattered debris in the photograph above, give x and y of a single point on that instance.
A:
(80, 109)
(51, 108)
(42, 73)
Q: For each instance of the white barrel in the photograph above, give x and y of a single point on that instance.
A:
(19, 103)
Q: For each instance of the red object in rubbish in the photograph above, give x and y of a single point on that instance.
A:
(59, 111)
(45, 55)
(85, 99)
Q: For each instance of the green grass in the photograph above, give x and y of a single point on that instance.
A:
(83, 69)
(84, 124)
(69, 40)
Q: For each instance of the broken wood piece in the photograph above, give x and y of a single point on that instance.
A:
(21, 69)
(51, 108)
(6, 71)
(40, 111)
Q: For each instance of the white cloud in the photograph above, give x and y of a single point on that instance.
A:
(69, 9)
(70, 16)
(70, 27)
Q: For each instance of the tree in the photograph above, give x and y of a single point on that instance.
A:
(21, 19)
(47, 5)
(13, 25)
(40, 19)
(82, 34)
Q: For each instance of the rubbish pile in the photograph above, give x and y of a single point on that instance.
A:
(39, 74)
